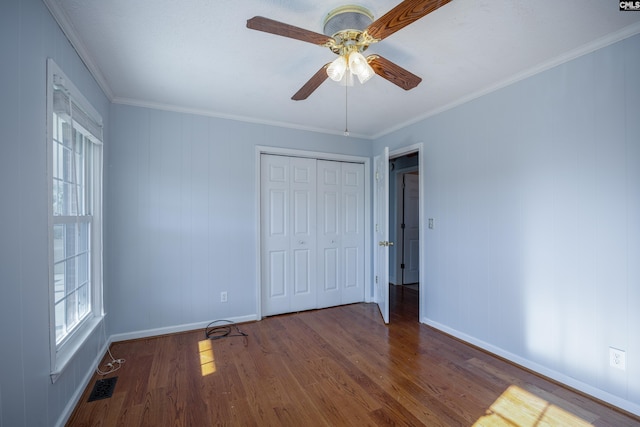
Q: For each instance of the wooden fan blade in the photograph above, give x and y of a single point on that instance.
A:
(267, 25)
(402, 15)
(393, 72)
(314, 82)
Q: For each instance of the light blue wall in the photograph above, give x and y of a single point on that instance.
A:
(28, 35)
(181, 214)
(535, 191)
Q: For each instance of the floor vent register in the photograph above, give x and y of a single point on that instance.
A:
(103, 389)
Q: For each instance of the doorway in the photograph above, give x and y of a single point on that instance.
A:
(404, 215)
(381, 231)
(404, 226)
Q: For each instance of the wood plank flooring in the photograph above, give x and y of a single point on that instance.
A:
(334, 367)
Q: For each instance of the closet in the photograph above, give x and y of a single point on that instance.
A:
(312, 233)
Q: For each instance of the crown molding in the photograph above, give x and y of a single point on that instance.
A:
(219, 115)
(70, 32)
(602, 42)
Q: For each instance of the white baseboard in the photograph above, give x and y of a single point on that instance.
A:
(540, 369)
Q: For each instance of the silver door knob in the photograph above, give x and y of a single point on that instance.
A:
(385, 243)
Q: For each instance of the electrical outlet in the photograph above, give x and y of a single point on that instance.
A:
(431, 223)
(223, 296)
(617, 358)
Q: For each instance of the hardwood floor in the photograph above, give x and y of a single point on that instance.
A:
(331, 367)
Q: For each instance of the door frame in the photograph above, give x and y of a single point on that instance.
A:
(318, 155)
(399, 152)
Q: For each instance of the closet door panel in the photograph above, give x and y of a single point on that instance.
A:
(303, 233)
(277, 274)
(330, 213)
(329, 225)
(278, 207)
(330, 270)
(275, 212)
(302, 272)
(351, 274)
(352, 233)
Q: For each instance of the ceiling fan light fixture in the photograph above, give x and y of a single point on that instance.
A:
(366, 73)
(336, 70)
(360, 67)
(357, 62)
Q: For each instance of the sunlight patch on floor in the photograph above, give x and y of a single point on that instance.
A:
(207, 360)
(518, 407)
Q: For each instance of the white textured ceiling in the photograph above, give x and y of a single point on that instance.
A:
(198, 56)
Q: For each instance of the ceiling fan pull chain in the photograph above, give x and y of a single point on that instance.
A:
(346, 111)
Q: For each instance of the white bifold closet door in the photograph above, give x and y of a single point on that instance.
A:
(288, 224)
(312, 233)
(340, 233)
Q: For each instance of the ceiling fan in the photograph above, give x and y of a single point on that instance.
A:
(349, 31)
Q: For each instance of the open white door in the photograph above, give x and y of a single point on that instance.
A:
(381, 242)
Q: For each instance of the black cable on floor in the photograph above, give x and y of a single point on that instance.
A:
(216, 332)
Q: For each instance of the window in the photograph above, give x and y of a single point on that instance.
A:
(75, 235)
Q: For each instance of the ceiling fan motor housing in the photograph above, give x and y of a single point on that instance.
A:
(346, 25)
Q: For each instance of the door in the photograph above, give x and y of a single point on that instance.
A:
(381, 224)
(329, 235)
(411, 230)
(312, 216)
(340, 233)
(288, 211)
(353, 232)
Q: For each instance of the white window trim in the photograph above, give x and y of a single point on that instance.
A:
(61, 354)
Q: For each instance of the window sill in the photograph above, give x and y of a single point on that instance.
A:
(64, 355)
